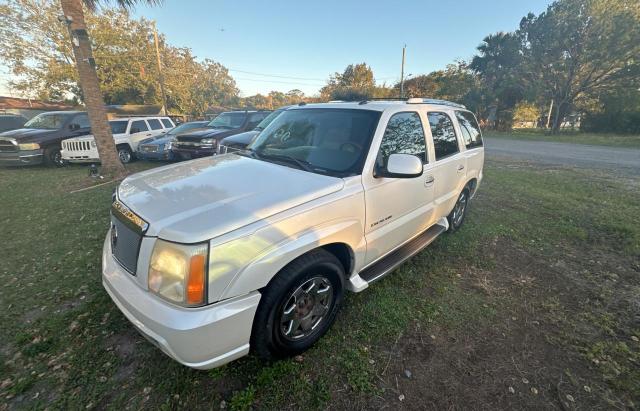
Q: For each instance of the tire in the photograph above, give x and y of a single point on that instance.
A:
(457, 215)
(125, 154)
(273, 334)
(53, 157)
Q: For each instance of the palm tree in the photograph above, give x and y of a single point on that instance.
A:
(74, 16)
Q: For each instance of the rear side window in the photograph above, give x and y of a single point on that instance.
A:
(469, 128)
(154, 123)
(167, 123)
(118, 127)
(138, 126)
(404, 135)
(444, 135)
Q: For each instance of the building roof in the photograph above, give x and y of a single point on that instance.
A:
(15, 103)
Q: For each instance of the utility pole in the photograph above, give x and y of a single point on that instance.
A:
(402, 73)
(164, 96)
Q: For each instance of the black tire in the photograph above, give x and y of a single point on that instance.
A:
(457, 215)
(125, 154)
(269, 339)
(53, 156)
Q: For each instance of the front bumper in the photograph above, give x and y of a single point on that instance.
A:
(188, 154)
(21, 158)
(201, 338)
(155, 155)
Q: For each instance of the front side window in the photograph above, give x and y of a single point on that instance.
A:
(470, 129)
(404, 135)
(324, 140)
(118, 127)
(444, 135)
(154, 123)
(138, 126)
(82, 120)
(47, 121)
(228, 121)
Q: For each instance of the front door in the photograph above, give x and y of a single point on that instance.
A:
(138, 131)
(397, 209)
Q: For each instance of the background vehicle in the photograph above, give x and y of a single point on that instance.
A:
(242, 140)
(261, 245)
(39, 140)
(11, 122)
(205, 142)
(127, 134)
(159, 148)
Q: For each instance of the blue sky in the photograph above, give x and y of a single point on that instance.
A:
(299, 44)
(310, 40)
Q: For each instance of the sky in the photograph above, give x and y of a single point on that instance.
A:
(282, 45)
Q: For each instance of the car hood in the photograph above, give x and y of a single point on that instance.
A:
(27, 134)
(199, 134)
(242, 138)
(201, 199)
(158, 140)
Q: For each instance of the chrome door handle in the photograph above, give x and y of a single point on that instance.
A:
(429, 181)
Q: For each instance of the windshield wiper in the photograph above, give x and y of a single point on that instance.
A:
(302, 165)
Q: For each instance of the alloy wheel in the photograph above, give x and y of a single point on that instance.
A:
(305, 308)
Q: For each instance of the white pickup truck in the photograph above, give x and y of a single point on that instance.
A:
(127, 133)
(253, 250)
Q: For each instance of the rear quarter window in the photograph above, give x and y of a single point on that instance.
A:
(470, 130)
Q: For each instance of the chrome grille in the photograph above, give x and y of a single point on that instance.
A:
(76, 145)
(8, 146)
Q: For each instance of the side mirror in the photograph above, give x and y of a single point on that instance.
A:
(74, 127)
(401, 166)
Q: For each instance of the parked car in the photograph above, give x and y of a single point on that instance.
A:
(11, 122)
(242, 140)
(202, 143)
(253, 250)
(159, 148)
(39, 140)
(127, 134)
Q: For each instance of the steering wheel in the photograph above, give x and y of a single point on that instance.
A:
(350, 147)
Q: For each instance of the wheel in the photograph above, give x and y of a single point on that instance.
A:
(53, 157)
(298, 306)
(456, 217)
(125, 155)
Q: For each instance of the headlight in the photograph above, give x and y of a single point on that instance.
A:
(93, 143)
(169, 145)
(29, 146)
(178, 272)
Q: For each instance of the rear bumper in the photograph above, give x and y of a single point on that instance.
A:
(21, 158)
(201, 338)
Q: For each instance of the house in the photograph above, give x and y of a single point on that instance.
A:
(30, 108)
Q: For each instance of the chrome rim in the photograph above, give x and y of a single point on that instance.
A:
(125, 156)
(458, 210)
(57, 158)
(305, 308)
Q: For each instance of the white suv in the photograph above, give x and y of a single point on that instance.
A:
(253, 250)
(127, 133)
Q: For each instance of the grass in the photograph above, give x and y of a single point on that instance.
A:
(65, 345)
(575, 137)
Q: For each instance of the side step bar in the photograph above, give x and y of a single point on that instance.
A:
(390, 262)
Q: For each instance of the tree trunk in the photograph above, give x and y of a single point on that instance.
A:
(561, 113)
(88, 78)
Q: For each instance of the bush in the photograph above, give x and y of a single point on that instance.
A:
(626, 122)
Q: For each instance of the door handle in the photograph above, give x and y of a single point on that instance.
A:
(460, 167)
(148, 134)
(429, 181)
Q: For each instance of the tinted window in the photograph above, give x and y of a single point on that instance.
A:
(228, 120)
(166, 122)
(48, 121)
(154, 123)
(268, 119)
(138, 126)
(444, 135)
(82, 120)
(329, 141)
(469, 128)
(403, 135)
(118, 127)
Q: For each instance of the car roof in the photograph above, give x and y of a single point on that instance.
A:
(136, 118)
(382, 105)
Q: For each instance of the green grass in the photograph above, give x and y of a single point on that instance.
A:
(575, 137)
(62, 337)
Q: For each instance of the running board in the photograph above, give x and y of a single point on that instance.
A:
(390, 262)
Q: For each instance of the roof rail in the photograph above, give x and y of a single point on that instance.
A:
(420, 100)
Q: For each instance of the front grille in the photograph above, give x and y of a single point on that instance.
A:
(8, 146)
(127, 230)
(149, 149)
(76, 145)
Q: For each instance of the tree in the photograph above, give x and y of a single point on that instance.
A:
(581, 47)
(356, 82)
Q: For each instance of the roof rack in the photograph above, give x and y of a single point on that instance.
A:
(420, 100)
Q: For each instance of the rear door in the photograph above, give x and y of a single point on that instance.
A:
(449, 170)
(156, 126)
(397, 209)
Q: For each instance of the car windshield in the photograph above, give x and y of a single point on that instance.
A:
(267, 120)
(228, 120)
(48, 121)
(185, 127)
(326, 141)
(118, 127)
